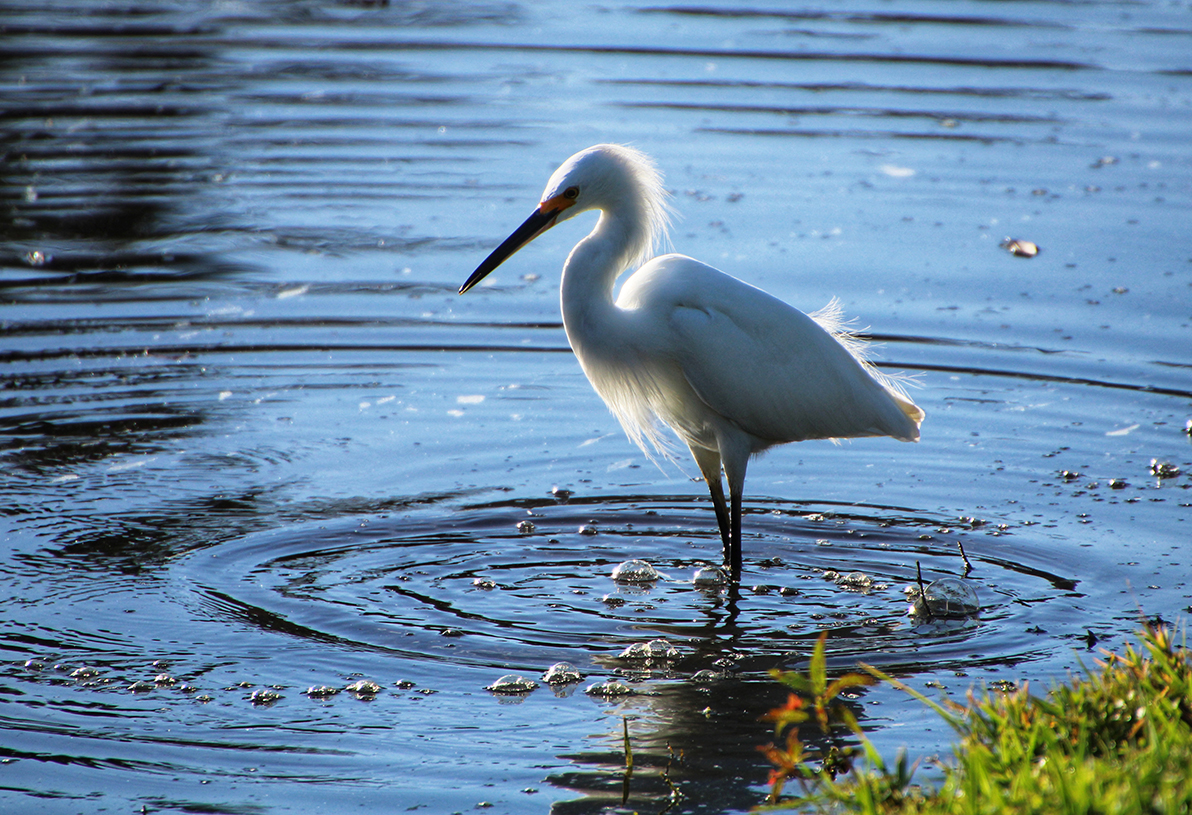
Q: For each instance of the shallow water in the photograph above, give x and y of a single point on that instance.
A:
(252, 439)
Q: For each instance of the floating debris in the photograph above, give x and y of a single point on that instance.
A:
(562, 673)
(512, 683)
(264, 697)
(363, 689)
(484, 583)
(654, 650)
(526, 527)
(1069, 475)
(710, 577)
(1164, 469)
(321, 691)
(635, 571)
(946, 597)
(1118, 484)
(1020, 248)
(587, 529)
(403, 684)
(608, 690)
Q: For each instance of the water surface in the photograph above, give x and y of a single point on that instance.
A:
(252, 440)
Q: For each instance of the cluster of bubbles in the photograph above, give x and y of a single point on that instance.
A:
(100, 678)
(944, 598)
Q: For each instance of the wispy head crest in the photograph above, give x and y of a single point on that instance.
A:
(615, 177)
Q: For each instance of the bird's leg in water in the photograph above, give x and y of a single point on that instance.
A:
(709, 467)
(722, 517)
(735, 463)
(732, 552)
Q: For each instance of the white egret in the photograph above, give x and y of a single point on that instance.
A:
(729, 368)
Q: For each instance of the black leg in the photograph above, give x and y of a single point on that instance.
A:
(709, 467)
(722, 517)
(733, 553)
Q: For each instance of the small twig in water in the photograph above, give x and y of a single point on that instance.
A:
(968, 567)
(922, 590)
(675, 794)
(628, 746)
(628, 762)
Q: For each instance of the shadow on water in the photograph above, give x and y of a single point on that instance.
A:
(93, 166)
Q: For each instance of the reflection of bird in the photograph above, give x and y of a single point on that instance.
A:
(729, 368)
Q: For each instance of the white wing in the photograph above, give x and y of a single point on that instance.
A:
(763, 365)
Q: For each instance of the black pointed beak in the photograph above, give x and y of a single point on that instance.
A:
(542, 220)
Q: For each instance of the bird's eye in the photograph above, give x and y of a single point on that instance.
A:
(571, 193)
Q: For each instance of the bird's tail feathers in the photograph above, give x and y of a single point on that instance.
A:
(831, 318)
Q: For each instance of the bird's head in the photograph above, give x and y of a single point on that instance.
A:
(607, 177)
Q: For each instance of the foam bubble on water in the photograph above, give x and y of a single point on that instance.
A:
(512, 683)
(363, 689)
(635, 571)
(562, 673)
(710, 577)
(854, 581)
(265, 697)
(609, 689)
(947, 597)
(651, 651)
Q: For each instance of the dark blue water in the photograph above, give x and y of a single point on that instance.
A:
(251, 441)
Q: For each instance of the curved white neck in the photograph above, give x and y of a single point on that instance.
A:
(592, 269)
